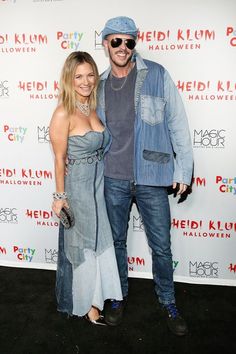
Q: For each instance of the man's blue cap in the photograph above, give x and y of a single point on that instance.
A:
(120, 25)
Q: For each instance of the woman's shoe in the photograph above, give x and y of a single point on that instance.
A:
(100, 321)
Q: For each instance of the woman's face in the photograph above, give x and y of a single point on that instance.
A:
(84, 81)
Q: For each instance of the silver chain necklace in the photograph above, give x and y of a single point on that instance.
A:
(123, 83)
(83, 107)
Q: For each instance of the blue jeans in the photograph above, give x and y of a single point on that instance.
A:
(153, 206)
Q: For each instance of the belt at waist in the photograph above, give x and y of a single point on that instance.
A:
(98, 156)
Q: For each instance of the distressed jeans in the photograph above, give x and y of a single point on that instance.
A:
(153, 206)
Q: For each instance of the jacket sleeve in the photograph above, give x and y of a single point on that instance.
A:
(179, 132)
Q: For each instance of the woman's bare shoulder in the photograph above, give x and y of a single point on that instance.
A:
(60, 113)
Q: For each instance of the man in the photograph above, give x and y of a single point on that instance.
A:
(150, 150)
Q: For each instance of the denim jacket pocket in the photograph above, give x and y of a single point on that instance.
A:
(156, 156)
(152, 109)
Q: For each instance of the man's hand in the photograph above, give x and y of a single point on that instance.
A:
(180, 188)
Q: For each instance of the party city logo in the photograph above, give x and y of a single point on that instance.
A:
(175, 264)
(226, 184)
(24, 254)
(15, 134)
(181, 39)
(209, 138)
(4, 89)
(231, 35)
(22, 42)
(40, 90)
(69, 40)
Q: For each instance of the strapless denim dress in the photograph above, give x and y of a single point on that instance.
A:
(87, 272)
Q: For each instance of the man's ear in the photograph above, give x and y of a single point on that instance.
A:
(105, 43)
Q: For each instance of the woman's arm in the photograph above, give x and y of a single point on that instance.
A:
(58, 131)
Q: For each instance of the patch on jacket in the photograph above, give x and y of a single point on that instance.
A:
(156, 156)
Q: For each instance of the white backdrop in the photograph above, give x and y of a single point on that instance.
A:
(196, 41)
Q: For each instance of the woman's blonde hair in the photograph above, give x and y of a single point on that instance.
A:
(67, 92)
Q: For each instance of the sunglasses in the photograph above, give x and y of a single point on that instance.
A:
(116, 42)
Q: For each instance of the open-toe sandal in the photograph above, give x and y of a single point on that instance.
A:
(100, 321)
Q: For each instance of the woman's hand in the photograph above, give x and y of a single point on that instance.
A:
(57, 205)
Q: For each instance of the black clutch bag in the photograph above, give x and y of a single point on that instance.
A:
(67, 217)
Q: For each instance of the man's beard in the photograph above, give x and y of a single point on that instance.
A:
(117, 63)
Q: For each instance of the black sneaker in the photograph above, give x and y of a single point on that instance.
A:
(113, 311)
(175, 322)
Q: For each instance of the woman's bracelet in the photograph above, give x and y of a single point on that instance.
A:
(59, 196)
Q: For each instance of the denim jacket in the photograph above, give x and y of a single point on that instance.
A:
(163, 149)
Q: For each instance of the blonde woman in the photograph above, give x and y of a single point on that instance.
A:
(87, 272)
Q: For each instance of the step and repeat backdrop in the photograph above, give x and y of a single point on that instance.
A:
(196, 42)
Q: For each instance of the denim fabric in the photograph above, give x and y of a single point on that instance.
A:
(84, 185)
(161, 127)
(63, 278)
(153, 205)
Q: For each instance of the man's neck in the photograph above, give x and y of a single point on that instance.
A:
(121, 71)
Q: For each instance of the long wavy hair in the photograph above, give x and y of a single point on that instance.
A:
(67, 92)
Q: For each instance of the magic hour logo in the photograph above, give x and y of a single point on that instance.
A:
(203, 269)
(4, 89)
(209, 138)
(43, 134)
(138, 223)
(8, 215)
(98, 40)
(51, 255)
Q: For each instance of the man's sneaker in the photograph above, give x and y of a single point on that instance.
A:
(175, 322)
(113, 311)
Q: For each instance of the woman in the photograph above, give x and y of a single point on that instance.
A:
(87, 272)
